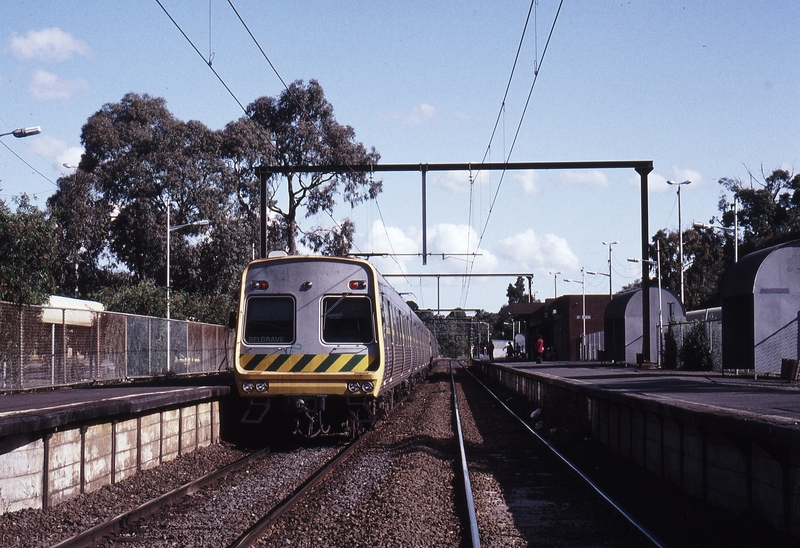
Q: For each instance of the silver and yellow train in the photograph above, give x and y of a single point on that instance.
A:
(326, 342)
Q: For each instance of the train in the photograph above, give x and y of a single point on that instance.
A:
(325, 344)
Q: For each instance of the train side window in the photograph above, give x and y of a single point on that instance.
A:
(347, 320)
(269, 320)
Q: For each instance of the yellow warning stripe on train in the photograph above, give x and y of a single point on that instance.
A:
(309, 363)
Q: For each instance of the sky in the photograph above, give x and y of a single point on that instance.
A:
(705, 90)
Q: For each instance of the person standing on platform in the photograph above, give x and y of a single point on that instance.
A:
(539, 349)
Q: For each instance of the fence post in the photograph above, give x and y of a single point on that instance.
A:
(53, 353)
(21, 377)
(64, 343)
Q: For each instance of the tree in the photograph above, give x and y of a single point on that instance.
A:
(704, 261)
(452, 334)
(28, 245)
(304, 131)
(82, 218)
(140, 165)
(768, 214)
(516, 292)
(146, 165)
(768, 209)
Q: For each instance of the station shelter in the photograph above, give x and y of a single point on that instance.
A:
(623, 324)
(761, 309)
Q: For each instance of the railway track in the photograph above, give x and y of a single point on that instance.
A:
(251, 536)
(214, 509)
(118, 523)
(645, 537)
(298, 517)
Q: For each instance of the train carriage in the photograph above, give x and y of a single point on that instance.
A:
(325, 341)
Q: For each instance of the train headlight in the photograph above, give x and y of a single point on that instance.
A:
(248, 386)
(367, 386)
(261, 386)
(357, 284)
(353, 386)
(259, 284)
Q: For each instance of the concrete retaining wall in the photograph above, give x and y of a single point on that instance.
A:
(44, 469)
(737, 461)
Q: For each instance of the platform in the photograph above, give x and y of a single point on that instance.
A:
(56, 444)
(734, 442)
(767, 400)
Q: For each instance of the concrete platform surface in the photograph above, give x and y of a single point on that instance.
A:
(35, 411)
(771, 400)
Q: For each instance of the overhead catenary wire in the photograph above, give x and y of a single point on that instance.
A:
(21, 159)
(206, 61)
(299, 105)
(519, 127)
(500, 115)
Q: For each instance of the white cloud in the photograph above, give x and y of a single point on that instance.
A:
(452, 181)
(529, 181)
(415, 116)
(448, 245)
(540, 253)
(57, 151)
(49, 45)
(50, 87)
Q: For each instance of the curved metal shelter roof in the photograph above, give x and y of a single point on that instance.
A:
(741, 277)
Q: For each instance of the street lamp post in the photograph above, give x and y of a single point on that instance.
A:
(23, 132)
(582, 281)
(555, 284)
(610, 349)
(680, 228)
(657, 262)
(610, 286)
(170, 230)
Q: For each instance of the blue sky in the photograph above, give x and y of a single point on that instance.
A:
(703, 89)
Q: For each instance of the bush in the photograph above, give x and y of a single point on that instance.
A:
(670, 360)
(695, 354)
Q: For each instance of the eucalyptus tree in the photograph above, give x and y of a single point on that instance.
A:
(82, 218)
(768, 208)
(767, 213)
(146, 164)
(303, 131)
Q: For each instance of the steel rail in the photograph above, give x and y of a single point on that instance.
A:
(624, 513)
(92, 536)
(470, 502)
(251, 536)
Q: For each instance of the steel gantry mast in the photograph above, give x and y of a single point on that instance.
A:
(642, 167)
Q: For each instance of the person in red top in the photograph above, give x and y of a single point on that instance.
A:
(539, 349)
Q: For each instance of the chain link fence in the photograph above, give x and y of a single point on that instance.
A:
(712, 345)
(595, 343)
(43, 346)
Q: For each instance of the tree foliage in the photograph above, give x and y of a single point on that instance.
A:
(142, 168)
(768, 209)
(695, 352)
(516, 291)
(304, 131)
(768, 213)
(28, 247)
